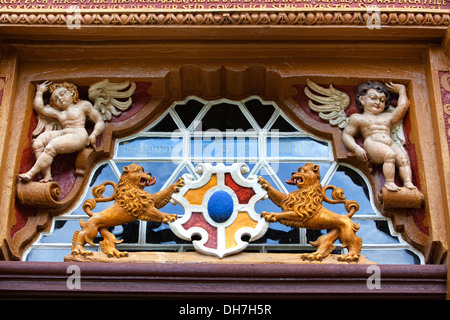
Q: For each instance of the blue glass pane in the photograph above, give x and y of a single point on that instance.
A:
(375, 232)
(224, 147)
(354, 187)
(102, 174)
(62, 232)
(151, 147)
(390, 256)
(51, 255)
(288, 147)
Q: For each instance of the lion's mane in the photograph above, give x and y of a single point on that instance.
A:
(306, 202)
(131, 198)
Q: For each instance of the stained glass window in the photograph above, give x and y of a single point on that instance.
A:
(251, 131)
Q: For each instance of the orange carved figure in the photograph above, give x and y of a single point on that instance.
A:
(131, 203)
(303, 209)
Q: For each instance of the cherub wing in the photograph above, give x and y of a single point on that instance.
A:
(332, 105)
(397, 133)
(45, 124)
(105, 97)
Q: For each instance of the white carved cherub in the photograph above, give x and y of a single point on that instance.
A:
(379, 124)
(61, 126)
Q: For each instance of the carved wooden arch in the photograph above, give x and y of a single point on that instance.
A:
(210, 83)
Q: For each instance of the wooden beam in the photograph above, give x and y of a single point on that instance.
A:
(212, 281)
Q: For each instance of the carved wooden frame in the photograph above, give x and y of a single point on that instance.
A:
(224, 73)
(217, 80)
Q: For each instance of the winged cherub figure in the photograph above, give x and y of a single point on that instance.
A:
(61, 124)
(378, 124)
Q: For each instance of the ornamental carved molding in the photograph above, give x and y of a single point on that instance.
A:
(445, 95)
(316, 18)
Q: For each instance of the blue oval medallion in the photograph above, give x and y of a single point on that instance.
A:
(220, 206)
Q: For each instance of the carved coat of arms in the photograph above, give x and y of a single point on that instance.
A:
(220, 208)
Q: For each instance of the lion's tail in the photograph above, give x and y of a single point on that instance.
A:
(97, 192)
(351, 206)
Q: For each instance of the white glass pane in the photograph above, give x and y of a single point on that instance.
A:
(222, 147)
(151, 147)
(302, 147)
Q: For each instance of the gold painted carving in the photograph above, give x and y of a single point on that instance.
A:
(303, 209)
(131, 203)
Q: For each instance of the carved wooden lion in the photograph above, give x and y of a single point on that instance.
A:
(303, 209)
(131, 203)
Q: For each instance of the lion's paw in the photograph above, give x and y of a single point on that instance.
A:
(269, 216)
(264, 184)
(313, 256)
(348, 257)
(109, 248)
(79, 250)
(116, 253)
(169, 218)
(177, 185)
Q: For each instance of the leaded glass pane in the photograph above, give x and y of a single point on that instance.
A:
(253, 131)
(297, 147)
(151, 147)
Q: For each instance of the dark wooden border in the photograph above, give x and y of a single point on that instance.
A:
(47, 280)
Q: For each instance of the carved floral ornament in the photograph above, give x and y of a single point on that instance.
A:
(445, 90)
(319, 18)
(445, 99)
(113, 98)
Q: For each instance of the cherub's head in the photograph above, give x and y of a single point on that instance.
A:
(63, 94)
(373, 96)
